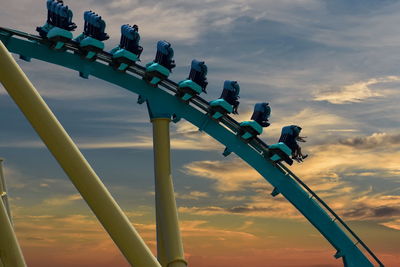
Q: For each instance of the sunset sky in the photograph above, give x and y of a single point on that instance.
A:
(332, 67)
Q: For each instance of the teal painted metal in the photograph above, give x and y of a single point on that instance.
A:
(89, 41)
(192, 85)
(125, 53)
(163, 102)
(246, 135)
(56, 32)
(155, 67)
(222, 103)
(59, 36)
(123, 58)
(253, 124)
(188, 88)
(281, 146)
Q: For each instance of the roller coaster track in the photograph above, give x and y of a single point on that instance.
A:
(353, 251)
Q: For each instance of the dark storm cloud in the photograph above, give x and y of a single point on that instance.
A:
(366, 212)
(243, 209)
(376, 140)
(248, 209)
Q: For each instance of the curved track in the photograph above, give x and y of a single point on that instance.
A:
(348, 245)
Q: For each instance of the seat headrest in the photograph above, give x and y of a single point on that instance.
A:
(49, 3)
(63, 11)
(164, 47)
(198, 65)
(232, 86)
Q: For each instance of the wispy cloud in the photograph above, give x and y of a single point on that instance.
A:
(183, 137)
(195, 195)
(274, 209)
(323, 172)
(200, 228)
(338, 160)
(62, 200)
(312, 121)
(14, 178)
(356, 92)
(184, 22)
(395, 224)
(228, 176)
(232, 198)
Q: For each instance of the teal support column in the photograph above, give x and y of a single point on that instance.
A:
(169, 243)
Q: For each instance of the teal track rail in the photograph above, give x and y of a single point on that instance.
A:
(162, 100)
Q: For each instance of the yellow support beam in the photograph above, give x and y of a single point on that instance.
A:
(73, 162)
(169, 243)
(10, 251)
(3, 191)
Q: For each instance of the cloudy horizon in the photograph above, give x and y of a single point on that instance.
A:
(329, 66)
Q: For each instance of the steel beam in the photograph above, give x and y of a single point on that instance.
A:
(169, 243)
(10, 251)
(3, 191)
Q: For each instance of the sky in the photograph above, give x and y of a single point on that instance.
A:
(331, 67)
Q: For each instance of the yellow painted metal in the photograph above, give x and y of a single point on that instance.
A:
(10, 251)
(73, 162)
(3, 191)
(169, 243)
(161, 252)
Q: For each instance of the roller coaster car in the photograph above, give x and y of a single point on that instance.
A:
(90, 41)
(58, 26)
(161, 67)
(261, 114)
(280, 152)
(219, 108)
(228, 101)
(196, 83)
(249, 129)
(128, 51)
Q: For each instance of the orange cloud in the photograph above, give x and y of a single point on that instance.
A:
(192, 195)
(395, 224)
(323, 172)
(61, 200)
